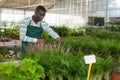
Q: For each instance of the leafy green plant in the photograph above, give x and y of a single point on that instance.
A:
(58, 64)
(31, 69)
(27, 69)
(102, 68)
(44, 35)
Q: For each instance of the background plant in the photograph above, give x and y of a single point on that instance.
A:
(61, 30)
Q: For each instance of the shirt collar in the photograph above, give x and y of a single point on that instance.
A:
(33, 21)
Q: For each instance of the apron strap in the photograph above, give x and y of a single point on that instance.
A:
(30, 22)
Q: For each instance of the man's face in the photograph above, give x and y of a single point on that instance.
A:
(40, 15)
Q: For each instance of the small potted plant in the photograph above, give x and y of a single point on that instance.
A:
(4, 51)
(116, 71)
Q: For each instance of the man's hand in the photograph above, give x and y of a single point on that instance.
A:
(41, 41)
(58, 40)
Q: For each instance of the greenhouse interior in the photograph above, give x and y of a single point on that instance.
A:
(66, 40)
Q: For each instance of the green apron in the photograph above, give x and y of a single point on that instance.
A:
(32, 31)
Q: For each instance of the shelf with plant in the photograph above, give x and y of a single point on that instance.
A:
(3, 36)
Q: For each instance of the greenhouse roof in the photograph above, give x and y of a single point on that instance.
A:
(27, 4)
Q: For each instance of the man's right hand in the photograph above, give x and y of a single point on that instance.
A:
(41, 41)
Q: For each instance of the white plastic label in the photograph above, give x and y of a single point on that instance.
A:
(90, 59)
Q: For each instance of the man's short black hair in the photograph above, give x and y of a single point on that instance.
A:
(40, 8)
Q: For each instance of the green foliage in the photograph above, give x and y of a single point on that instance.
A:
(117, 22)
(13, 31)
(113, 28)
(31, 69)
(96, 21)
(27, 69)
(103, 66)
(89, 45)
(7, 71)
(44, 35)
(77, 31)
(56, 62)
(61, 30)
(102, 33)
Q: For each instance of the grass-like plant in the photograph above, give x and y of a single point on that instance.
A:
(57, 60)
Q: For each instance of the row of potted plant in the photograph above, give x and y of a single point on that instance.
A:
(59, 63)
(102, 33)
(88, 44)
(9, 33)
(65, 31)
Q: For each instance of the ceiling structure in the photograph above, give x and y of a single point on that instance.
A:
(27, 4)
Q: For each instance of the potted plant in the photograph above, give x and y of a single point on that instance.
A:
(116, 73)
(3, 51)
(116, 70)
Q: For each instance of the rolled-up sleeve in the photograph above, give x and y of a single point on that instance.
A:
(50, 31)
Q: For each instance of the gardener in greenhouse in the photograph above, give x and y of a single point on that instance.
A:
(32, 27)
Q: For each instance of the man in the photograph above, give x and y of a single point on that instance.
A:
(32, 27)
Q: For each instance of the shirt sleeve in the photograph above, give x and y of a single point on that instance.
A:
(50, 31)
(23, 30)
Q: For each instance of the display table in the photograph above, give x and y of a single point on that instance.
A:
(11, 43)
(9, 50)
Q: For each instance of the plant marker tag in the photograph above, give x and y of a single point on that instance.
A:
(90, 59)
(2, 30)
